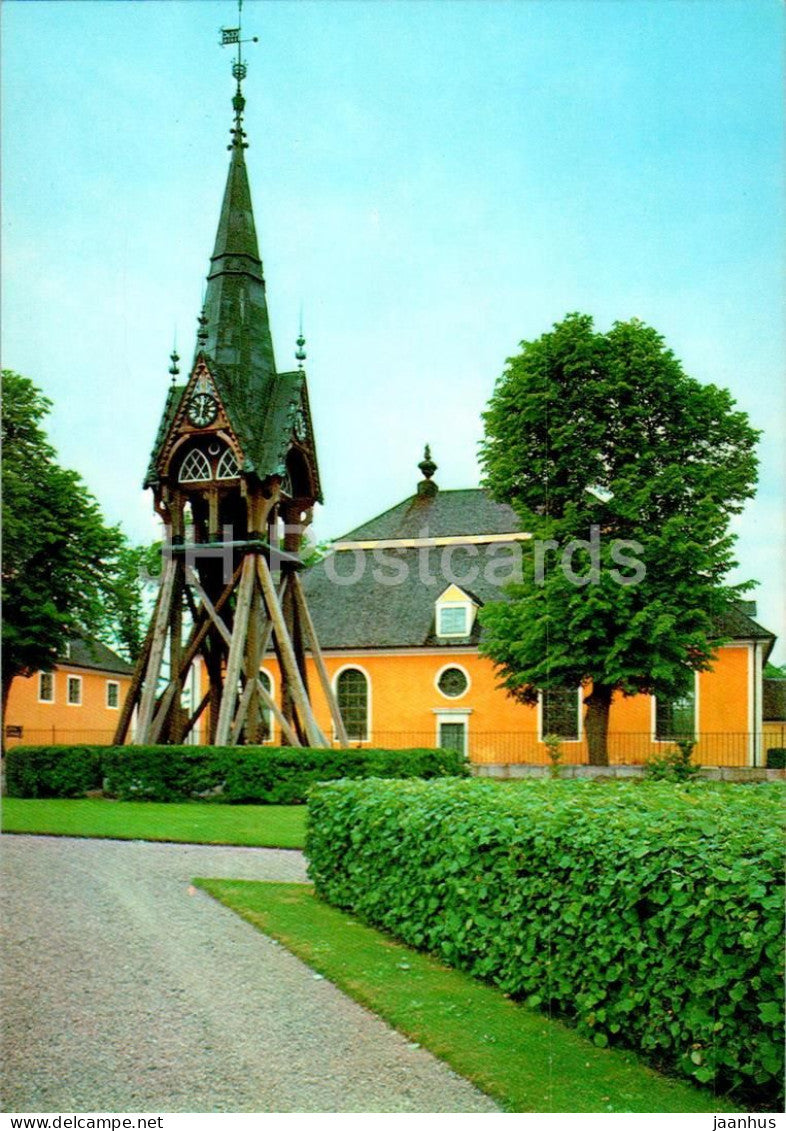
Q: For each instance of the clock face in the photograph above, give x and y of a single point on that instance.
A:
(301, 428)
(202, 410)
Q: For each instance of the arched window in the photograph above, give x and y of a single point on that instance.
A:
(195, 468)
(352, 696)
(227, 466)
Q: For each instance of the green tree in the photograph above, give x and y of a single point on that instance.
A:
(599, 440)
(62, 573)
(130, 590)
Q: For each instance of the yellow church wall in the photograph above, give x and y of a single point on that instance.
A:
(90, 721)
(405, 705)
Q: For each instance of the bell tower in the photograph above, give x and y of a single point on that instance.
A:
(234, 476)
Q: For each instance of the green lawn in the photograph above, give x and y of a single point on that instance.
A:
(525, 1061)
(264, 826)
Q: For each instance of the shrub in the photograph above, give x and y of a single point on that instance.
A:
(255, 774)
(776, 758)
(674, 765)
(52, 771)
(553, 745)
(650, 915)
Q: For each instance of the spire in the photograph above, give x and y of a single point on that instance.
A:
(428, 467)
(238, 335)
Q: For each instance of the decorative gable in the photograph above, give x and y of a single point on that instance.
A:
(199, 415)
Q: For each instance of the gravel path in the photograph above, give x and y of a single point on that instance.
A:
(123, 991)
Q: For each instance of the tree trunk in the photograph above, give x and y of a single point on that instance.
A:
(596, 723)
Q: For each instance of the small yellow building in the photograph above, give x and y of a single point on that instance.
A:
(78, 701)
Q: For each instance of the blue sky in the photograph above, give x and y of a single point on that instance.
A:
(433, 181)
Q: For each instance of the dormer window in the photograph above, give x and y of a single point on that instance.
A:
(195, 468)
(453, 620)
(455, 613)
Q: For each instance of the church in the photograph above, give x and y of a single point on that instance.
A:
(378, 643)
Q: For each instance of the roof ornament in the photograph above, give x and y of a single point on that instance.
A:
(300, 352)
(202, 334)
(174, 369)
(428, 467)
(233, 36)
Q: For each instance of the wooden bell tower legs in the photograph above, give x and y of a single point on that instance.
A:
(236, 696)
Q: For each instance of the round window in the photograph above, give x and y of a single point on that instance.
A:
(453, 682)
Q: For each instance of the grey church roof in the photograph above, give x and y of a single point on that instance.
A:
(355, 606)
(443, 514)
(350, 596)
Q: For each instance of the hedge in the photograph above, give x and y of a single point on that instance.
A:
(255, 774)
(650, 914)
(53, 771)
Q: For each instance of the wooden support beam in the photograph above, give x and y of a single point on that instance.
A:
(156, 655)
(242, 711)
(236, 650)
(174, 688)
(208, 605)
(319, 661)
(194, 647)
(164, 707)
(173, 715)
(197, 713)
(283, 722)
(140, 667)
(289, 663)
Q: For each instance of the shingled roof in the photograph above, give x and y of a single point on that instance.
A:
(737, 623)
(351, 596)
(356, 605)
(444, 514)
(83, 652)
(774, 700)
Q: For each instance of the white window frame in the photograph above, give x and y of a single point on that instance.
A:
(369, 716)
(113, 683)
(580, 713)
(696, 721)
(453, 715)
(464, 672)
(221, 474)
(273, 722)
(447, 606)
(191, 454)
(40, 696)
(77, 679)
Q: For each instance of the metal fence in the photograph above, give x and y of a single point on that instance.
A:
(723, 748)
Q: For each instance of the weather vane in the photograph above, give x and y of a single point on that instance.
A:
(229, 37)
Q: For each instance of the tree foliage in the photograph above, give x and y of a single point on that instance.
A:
(64, 568)
(606, 431)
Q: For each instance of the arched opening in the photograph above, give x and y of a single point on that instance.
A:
(352, 695)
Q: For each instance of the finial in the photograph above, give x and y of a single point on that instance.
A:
(233, 35)
(174, 369)
(300, 352)
(202, 331)
(428, 467)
